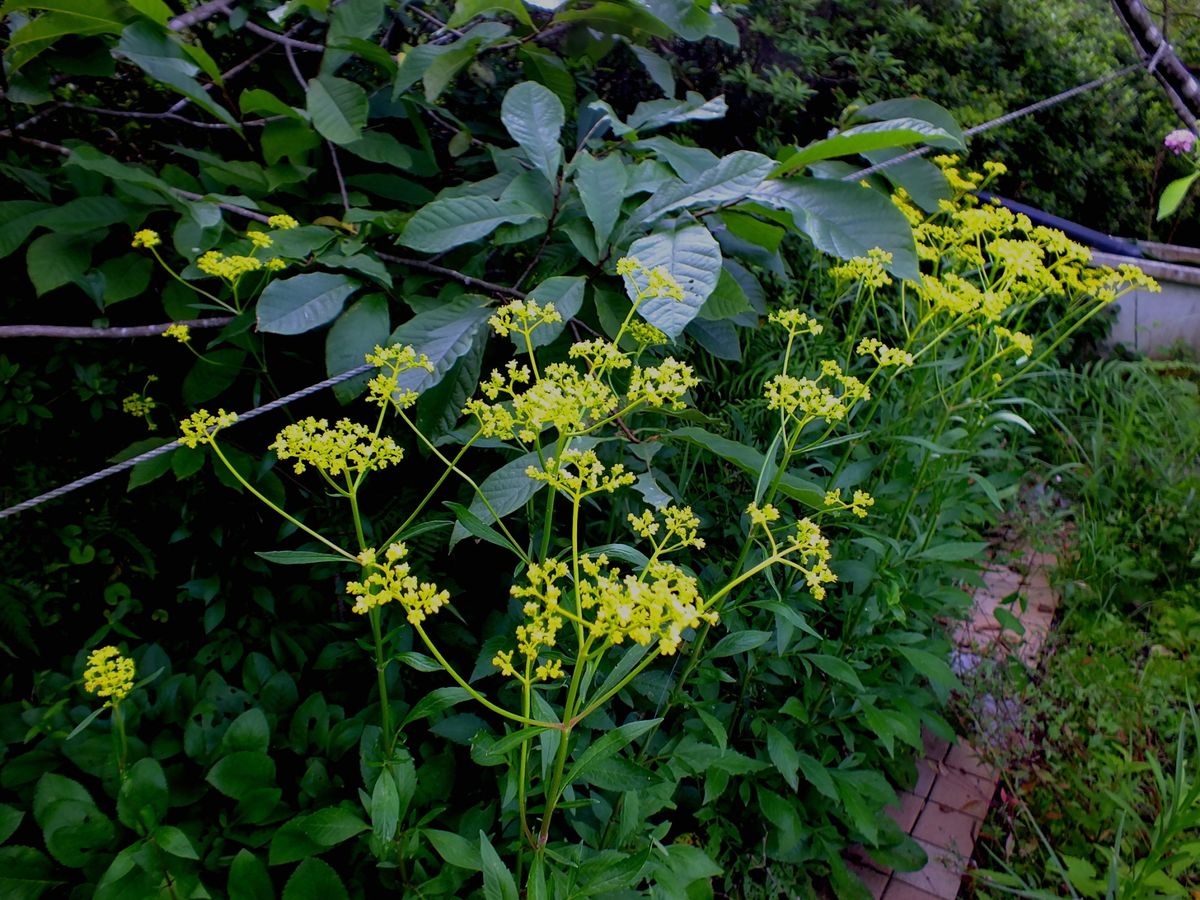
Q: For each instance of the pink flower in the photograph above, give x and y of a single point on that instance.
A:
(1180, 141)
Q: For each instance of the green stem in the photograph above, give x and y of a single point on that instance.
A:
(475, 695)
(385, 706)
(453, 467)
(310, 532)
(121, 740)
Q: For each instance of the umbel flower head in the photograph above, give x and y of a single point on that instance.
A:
(108, 675)
(392, 581)
(347, 447)
(201, 427)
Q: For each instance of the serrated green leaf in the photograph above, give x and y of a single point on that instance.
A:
(298, 557)
(248, 878)
(498, 882)
(732, 178)
(315, 880)
(835, 667)
(174, 841)
(150, 48)
(435, 702)
(606, 745)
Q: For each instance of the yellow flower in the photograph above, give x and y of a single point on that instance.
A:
(663, 386)
(762, 516)
(394, 361)
(393, 581)
(579, 473)
(523, 316)
(139, 405)
(181, 333)
(201, 427)
(282, 222)
(108, 675)
(886, 356)
(659, 282)
(347, 447)
(146, 238)
(862, 500)
(260, 239)
(229, 268)
(275, 265)
(796, 322)
(869, 269)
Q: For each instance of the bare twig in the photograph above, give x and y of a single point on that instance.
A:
(168, 115)
(289, 42)
(296, 73)
(199, 14)
(337, 170)
(132, 331)
(434, 20)
(461, 277)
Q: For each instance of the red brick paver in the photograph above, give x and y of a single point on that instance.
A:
(946, 807)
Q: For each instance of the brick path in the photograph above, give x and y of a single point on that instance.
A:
(944, 811)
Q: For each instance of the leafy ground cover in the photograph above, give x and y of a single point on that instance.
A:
(1100, 789)
(623, 570)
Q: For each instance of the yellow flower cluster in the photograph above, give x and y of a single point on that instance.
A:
(393, 361)
(796, 322)
(1023, 342)
(229, 268)
(346, 448)
(987, 259)
(645, 335)
(868, 270)
(543, 620)
(146, 238)
(680, 527)
(138, 405)
(201, 427)
(260, 239)
(181, 333)
(563, 395)
(282, 222)
(523, 316)
(858, 505)
(580, 473)
(108, 675)
(805, 399)
(659, 605)
(659, 282)
(391, 581)
(813, 548)
(762, 516)
(883, 354)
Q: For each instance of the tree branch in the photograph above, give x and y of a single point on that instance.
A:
(283, 39)
(1181, 88)
(132, 331)
(199, 14)
(452, 274)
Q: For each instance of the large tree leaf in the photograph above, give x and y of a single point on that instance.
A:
(534, 117)
(601, 185)
(846, 220)
(915, 108)
(731, 179)
(444, 224)
(58, 19)
(691, 255)
(338, 108)
(148, 47)
(348, 20)
(444, 334)
(303, 302)
(465, 10)
(864, 138)
(353, 335)
(651, 114)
